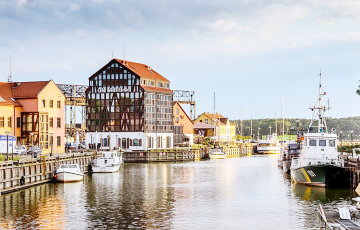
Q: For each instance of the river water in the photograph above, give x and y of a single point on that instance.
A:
(235, 193)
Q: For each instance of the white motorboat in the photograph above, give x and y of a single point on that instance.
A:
(69, 173)
(109, 162)
(217, 154)
(269, 146)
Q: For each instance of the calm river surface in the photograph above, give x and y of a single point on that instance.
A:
(236, 193)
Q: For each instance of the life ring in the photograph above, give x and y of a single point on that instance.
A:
(22, 180)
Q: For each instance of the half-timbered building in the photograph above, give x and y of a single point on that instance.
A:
(129, 106)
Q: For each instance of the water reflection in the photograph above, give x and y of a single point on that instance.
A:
(236, 193)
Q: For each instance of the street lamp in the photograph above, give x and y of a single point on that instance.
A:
(91, 141)
(109, 140)
(7, 145)
(51, 143)
(32, 144)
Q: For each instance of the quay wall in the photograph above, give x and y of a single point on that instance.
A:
(26, 173)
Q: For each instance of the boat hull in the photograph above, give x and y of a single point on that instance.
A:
(324, 175)
(69, 177)
(268, 151)
(105, 169)
(217, 156)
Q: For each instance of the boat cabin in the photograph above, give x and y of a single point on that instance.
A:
(319, 146)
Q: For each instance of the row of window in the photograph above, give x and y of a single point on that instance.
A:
(9, 122)
(322, 143)
(51, 104)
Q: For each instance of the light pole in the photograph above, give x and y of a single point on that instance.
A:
(91, 141)
(12, 148)
(109, 140)
(32, 144)
(101, 141)
(51, 143)
(7, 145)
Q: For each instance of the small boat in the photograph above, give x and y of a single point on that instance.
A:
(269, 146)
(69, 173)
(340, 219)
(109, 162)
(217, 154)
(288, 151)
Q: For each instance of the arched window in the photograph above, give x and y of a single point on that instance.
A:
(136, 142)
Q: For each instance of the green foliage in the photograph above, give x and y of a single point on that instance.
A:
(292, 126)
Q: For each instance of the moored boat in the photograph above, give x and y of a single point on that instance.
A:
(69, 173)
(217, 154)
(269, 146)
(287, 152)
(318, 163)
(108, 162)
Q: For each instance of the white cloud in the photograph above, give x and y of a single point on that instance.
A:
(74, 7)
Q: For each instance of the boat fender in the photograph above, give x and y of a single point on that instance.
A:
(22, 180)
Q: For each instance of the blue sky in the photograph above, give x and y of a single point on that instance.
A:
(251, 53)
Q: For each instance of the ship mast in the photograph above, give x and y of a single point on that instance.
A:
(319, 111)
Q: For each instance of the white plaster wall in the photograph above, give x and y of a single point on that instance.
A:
(163, 137)
(113, 141)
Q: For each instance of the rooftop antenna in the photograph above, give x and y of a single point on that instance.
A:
(9, 77)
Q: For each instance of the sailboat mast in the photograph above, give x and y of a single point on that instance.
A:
(241, 124)
(275, 124)
(214, 119)
(251, 129)
(283, 128)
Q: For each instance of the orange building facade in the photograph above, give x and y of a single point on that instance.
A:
(33, 112)
(183, 126)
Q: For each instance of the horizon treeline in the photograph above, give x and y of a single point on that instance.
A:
(292, 126)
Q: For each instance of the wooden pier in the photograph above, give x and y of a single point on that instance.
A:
(30, 172)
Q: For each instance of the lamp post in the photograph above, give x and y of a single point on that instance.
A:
(7, 145)
(91, 141)
(109, 140)
(32, 144)
(51, 143)
(101, 141)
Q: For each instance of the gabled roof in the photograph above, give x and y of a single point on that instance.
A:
(144, 71)
(174, 103)
(27, 89)
(6, 95)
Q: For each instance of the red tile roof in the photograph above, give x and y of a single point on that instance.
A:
(5, 94)
(142, 70)
(27, 89)
(156, 89)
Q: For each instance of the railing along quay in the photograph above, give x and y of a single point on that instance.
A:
(16, 175)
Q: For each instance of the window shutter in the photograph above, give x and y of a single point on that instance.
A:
(140, 142)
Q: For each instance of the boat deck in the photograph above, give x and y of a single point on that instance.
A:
(348, 224)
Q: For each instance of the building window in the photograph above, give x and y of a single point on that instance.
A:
(58, 142)
(51, 122)
(59, 104)
(9, 121)
(1, 121)
(51, 103)
(151, 83)
(18, 122)
(177, 120)
(206, 121)
(58, 122)
(43, 103)
(136, 142)
(177, 111)
(167, 85)
(159, 84)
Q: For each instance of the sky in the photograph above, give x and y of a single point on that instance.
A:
(252, 54)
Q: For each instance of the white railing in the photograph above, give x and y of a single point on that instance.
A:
(297, 162)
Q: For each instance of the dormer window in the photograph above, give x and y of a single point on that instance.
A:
(151, 83)
(167, 85)
(160, 84)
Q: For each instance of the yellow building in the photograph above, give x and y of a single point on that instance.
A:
(32, 112)
(224, 129)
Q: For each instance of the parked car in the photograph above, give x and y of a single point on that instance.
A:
(37, 150)
(20, 150)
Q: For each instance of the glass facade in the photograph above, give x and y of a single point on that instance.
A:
(115, 100)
